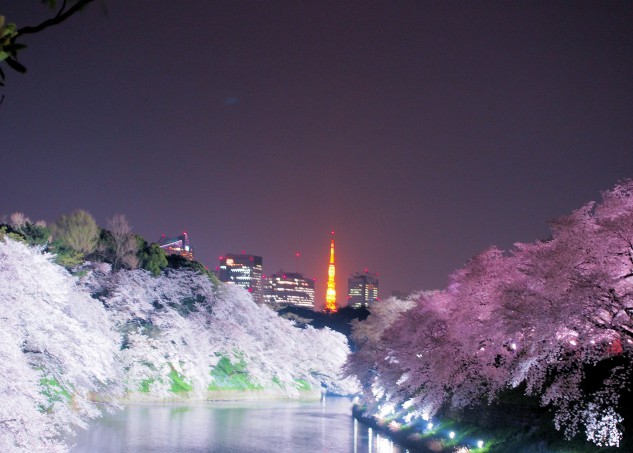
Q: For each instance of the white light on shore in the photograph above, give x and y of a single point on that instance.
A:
(480, 444)
(451, 434)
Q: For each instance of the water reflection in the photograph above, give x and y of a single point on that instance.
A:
(254, 427)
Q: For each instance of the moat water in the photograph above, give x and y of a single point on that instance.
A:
(233, 427)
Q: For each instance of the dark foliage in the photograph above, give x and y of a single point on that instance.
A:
(179, 262)
(339, 321)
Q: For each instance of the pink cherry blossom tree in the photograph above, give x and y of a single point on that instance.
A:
(551, 315)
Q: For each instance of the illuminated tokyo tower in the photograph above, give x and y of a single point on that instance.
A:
(330, 295)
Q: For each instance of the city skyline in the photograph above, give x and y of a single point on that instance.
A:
(421, 132)
(332, 300)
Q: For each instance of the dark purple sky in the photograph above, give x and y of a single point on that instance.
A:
(421, 132)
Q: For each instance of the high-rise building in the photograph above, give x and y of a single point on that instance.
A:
(362, 289)
(244, 271)
(289, 288)
(330, 294)
(177, 246)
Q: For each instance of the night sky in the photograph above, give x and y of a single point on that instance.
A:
(421, 132)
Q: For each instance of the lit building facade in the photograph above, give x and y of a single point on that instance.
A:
(177, 246)
(244, 271)
(362, 289)
(289, 288)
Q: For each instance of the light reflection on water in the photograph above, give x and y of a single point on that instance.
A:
(235, 427)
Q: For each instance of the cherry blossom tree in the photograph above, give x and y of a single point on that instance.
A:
(179, 322)
(367, 362)
(57, 347)
(552, 315)
(574, 309)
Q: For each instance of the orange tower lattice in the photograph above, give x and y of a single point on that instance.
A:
(330, 295)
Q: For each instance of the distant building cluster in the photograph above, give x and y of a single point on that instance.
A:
(281, 288)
